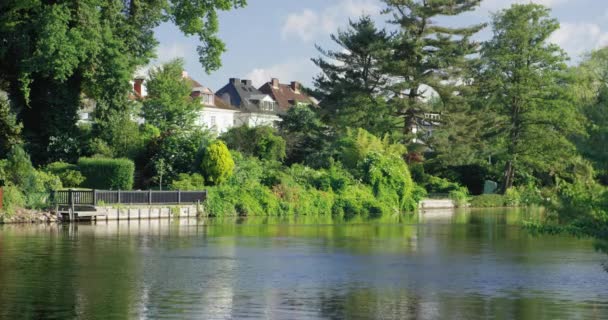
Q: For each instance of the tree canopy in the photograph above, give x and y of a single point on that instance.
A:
(53, 53)
(525, 87)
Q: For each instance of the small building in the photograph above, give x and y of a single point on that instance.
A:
(287, 95)
(255, 107)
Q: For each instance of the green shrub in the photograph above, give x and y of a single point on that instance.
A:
(67, 173)
(188, 182)
(356, 145)
(512, 197)
(261, 142)
(181, 151)
(38, 189)
(13, 199)
(488, 201)
(390, 180)
(35, 186)
(359, 200)
(104, 173)
(460, 197)
(217, 163)
(440, 185)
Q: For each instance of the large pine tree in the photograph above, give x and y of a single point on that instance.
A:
(351, 83)
(427, 58)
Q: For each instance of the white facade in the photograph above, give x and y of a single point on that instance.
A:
(217, 120)
(256, 119)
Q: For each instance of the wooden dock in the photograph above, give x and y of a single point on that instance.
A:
(90, 204)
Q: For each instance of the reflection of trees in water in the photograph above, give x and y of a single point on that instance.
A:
(52, 273)
(35, 276)
(366, 303)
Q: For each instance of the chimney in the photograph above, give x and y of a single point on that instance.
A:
(246, 82)
(184, 74)
(295, 86)
(137, 83)
(234, 80)
(275, 83)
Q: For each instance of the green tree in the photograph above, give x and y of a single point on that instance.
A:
(524, 86)
(168, 104)
(180, 150)
(427, 58)
(352, 81)
(307, 138)
(217, 163)
(261, 142)
(10, 130)
(592, 89)
(53, 52)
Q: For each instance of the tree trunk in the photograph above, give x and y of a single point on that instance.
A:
(508, 176)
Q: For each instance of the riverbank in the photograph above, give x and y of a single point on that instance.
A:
(25, 216)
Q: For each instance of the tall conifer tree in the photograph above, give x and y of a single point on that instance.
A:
(427, 58)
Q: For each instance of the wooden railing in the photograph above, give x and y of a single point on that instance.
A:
(103, 197)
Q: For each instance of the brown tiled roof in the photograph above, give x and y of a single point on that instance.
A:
(218, 102)
(285, 96)
(221, 104)
(193, 83)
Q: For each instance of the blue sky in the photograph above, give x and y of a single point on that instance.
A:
(276, 38)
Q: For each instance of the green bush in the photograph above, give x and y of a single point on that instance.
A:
(68, 174)
(390, 180)
(357, 145)
(217, 163)
(35, 186)
(181, 151)
(488, 201)
(359, 200)
(104, 173)
(188, 182)
(13, 199)
(440, 185)
(261, 142)
(512, 197)
(460, 197)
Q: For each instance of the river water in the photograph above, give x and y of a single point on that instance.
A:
(476, 264)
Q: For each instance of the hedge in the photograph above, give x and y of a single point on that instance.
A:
(104, 173)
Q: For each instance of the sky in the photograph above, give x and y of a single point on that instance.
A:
(277, 38)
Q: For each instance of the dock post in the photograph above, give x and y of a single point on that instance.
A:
(71, 199)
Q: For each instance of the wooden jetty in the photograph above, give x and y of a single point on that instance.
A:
(89, 204)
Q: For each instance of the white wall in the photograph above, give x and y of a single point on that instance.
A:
(257, 119)
(217, 120)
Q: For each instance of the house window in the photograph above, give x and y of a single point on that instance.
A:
(213, 121)
(207, 99)
(267, 105)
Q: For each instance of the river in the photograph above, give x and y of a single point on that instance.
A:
(473, 264)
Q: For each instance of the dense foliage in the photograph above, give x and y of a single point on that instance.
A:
(407, 110)
(261, 142)
(168, 104)
(54, 52)
(103, 173)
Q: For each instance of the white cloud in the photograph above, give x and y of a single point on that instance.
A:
(308, 24)
(579, 38)
(495, 5)
(294, 70)
(170, 51)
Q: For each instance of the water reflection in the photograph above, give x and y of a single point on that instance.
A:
(444, 264)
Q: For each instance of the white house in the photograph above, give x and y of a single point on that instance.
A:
(255, 107)
(216, 115)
